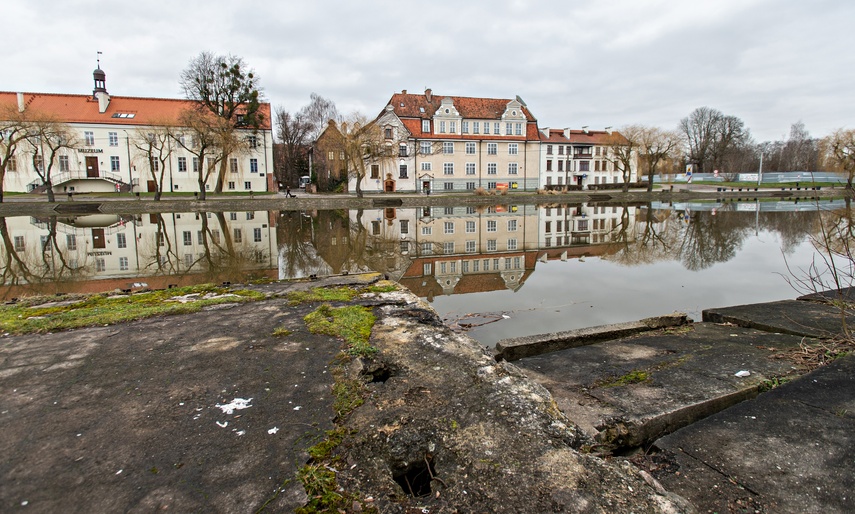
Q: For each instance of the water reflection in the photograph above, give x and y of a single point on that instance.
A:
(440, 253)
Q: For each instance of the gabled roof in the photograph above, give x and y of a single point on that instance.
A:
(581, 137)
(424, 106)
(84, 109)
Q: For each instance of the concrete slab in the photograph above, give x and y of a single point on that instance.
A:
(632, 390)
(795, 317)
(789, 450)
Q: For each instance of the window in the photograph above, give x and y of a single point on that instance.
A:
(470, 227)
(256, 235)
(121, 240)
(182, 164)
(509, 129)
(89, 138)
(496, 128)
(71, 241)
(250, 215)
(491, 168)
(123, 264)
(63, 163)
(470, 168)
(584, 165)
(492, 148)
(425, 147)
(405, 227)
(470, 246)
(425, 166)
(427, 249)
(425, 125)
(470, 148)
(512, 168)
(155, 165)
(448, 168)
(491, 245)
(470, 185)
(448, 186)
(513, 148)
(114, 138)
(331, 156)
(253, 165)
(582, 225)
(447, 148)
(402, 171)
(402, 150)
(512, 225)
(100, 264)
(560, 165)
(452, 127)
(39, 163)
(448, 227)
(464, 127)
(375, 171)
(387, 133)
(195, 165)
(491, 225)
(253, 141)
(238, 235)
(548, 164)
(491, 185)
(231, 185)
(233, 216)
(475, 127)
(512, 244)
(448, 248)
(233, 165)
(427, 230)
(404, 247)
(518, 129)
(442, 127)
(247, 185)
(188, 238)
(12, 164)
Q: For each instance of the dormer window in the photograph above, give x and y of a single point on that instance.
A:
(388, 133)
(425, 125)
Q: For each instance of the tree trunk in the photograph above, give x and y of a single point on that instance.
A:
(358, 186)
(201, 195)
(50, 196)
(221, 178)
(157, 195)
(650, 180)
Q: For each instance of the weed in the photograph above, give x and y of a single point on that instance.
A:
(348, 394)
(322, 294)
(772, 383)
(386, 287)
(281, 332)
(633, 377)
(352, 323)
(323, 450)
(101, 309)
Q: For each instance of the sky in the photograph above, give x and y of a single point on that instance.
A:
(606, 63)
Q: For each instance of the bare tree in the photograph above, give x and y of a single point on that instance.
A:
(14, 131)
(155, 144)
(223, 87)
(294, 132)
(48, 144)
(365, 149)
(203, 138)
(319, 111)
(711, 135)
(623, 150)
(838, 150)
(656, 145)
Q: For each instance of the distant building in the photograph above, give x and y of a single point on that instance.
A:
(108, 158)
(453, 143)
(327, 158)
(575, 159)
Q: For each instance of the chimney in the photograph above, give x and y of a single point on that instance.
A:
(609, 130)
(21, 105)
(428, 94)
(403, 91)
(585, 129)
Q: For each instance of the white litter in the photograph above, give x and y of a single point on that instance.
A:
(236, 404)
(224, 424)
(743, 373)
(273, 430)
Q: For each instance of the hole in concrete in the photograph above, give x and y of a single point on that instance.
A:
(415, 479)
(381, 374)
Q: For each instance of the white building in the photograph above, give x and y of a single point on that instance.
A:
(108, 132)
(574, 159)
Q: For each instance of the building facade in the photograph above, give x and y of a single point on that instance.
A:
(575, 159)
(451, 143)
(109, 142)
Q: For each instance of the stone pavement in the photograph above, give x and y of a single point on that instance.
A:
(730, 448)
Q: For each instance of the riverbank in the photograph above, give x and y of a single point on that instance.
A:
(248, 407)
(129, 204)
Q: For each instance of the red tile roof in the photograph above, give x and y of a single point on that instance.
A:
(84, 109)
(591, 137)
(417, 106)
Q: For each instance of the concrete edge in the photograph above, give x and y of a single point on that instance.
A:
(516, 348)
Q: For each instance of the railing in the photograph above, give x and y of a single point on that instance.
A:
(68, 176)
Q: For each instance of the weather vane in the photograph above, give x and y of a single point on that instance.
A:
(98, 59)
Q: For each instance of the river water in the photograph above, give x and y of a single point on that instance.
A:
(501, 271)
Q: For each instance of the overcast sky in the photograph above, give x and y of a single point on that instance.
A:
(596, 63)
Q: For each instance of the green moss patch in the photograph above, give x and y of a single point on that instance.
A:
(322, 294)
(352, 323)
(41, 315)
(633, 377)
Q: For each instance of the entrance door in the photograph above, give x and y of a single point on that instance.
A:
(92, 167)
(98, 240)
(152, 186)
(390, 186)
